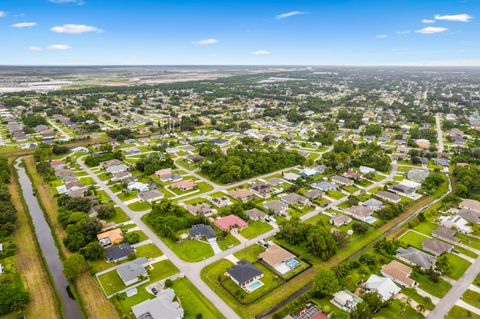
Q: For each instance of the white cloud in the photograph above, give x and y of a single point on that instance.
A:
(34, 48)
(75, 29)
(22, 25)
(79, 2)
(403, 32)
(428, 21)
(431, 30)
(381, 36)
(289, 14)
(208, 41)
(454, 17)
(2, 14)
(261, 52)
(59, 47)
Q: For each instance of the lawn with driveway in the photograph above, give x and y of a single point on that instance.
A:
(437, 289)
(255, 229)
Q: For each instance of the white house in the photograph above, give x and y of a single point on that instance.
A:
(385, 287)
(141, 187)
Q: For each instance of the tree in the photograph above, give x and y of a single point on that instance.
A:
(359, 228)
(106, 212)
(325, 283)
(73, 266)
(443, 265)
(93, 251)
(373, 300)
(132, 238)
(340, 314)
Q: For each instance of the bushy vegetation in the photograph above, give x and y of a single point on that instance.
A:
(95, 160)
(468, 181)
(121, 134)
(167, 218)
(246, 160)
(316, 239)
(153, 163)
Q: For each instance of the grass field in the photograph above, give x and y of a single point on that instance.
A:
(437, 289)
(111, 282)
(394, 310)
(193, 301)
(413, 239)
(190, 250)
(458, 312)
(250, 253)
(44, 301)
(255, 229)
(472, 297)
(148, 251)
(458, 266)
(139, 206)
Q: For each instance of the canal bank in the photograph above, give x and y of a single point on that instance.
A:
(70, 307)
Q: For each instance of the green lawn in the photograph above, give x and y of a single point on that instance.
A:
(458, 312)
(228, 242)
(193, 301)
(125, 196)
(394, 311)
(148, 251)
(140, 206)
(472, 297)
(437, 289)
(111, 282)
(190, 250)
(119, 216)
(141, 235)
(412, 293)
(468, 240)
(250, 253)
(458, 266)
(335, 194)
(413, 239)
(255, 229)
(426, 228)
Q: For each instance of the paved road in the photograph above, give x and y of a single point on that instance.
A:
(439, 133)
(457, 291)
(58, 128)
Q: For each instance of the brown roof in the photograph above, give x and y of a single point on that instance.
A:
(115, 235)
(471, 204)
(436, 246)
(275, 254)
(241, 193)
(399, 272)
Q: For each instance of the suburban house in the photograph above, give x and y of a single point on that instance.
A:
(120, 176)
(470, 204)
(469, 215)
(117, 168)
(324, 186)
(221, 202)
(436, 247)
(111, 237)
(345, 300)
(242, 194)
(385, 287)
(231, 221)
(111, 162)
(201, 209)
(138, 186)
(151, 196)
(131, 271)
(202, 231)
(246, 275)
(255, 214)
(261, 189)
(418, 175)
(360, 212)
(163, 306)
(185, 185)
(457, 222)
(277, 207)
(291, 176)
(414, 256)
(340, 220)
(164, 174)
(313, 194)
(366, 170)
(294, 199)
(275, 181)
(446, 234)
(399, 273)
(402, 189)
(342, 180)
(373, 204)
(119, 252)
(390, 197)
(279, 259)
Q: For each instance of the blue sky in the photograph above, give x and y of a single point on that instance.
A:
(360, 32)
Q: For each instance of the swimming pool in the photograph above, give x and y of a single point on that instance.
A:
(293, 263)
(257, 284)
(370, 219)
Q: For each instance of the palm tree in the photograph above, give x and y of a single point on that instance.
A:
(420, 308)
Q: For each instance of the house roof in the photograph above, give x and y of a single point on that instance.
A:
(416, 257)
(360, 211)
(445, 232)
(469, 215)
(230, 221)
(115, 235)
(471, 204)
(314, 193)
(275, 254)
(384, 286)
(132, 269)
(399, 272)
(241, 193)
(202, 230)
(388, 195)
(152, 194)
(436, 246)
(188, 183)
(119, 251)
(255, 213)
(244, 271)
(275, 205)
(162, 306)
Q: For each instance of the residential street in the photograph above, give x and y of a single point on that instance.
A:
(439, 133)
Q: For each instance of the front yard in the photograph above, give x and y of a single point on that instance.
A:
(255, 229)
